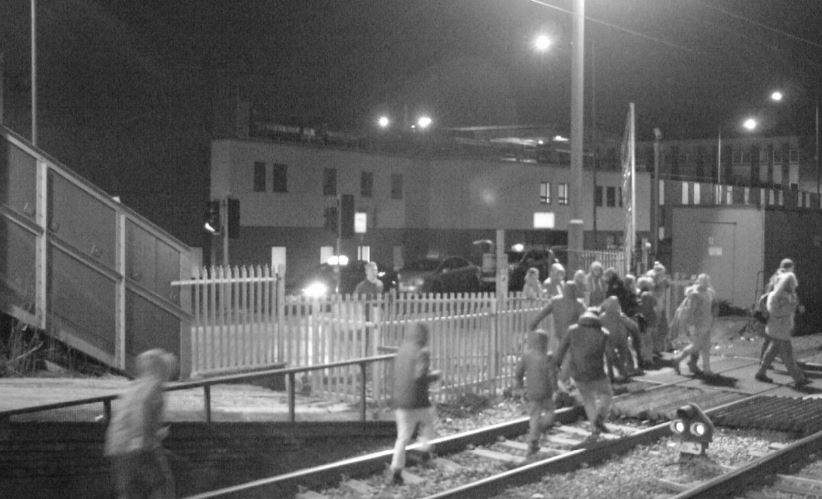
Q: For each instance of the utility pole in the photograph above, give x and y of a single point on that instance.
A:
(2, 80)
(576, 226)
(338, 248)
(655, 196)
(594, 138)
(34, 72)
(224, 229)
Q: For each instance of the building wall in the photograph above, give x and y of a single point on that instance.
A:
(727, 243)
(446, 205)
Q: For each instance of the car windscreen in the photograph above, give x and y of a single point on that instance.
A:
(423, 265)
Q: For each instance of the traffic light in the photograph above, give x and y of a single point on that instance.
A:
(233, 218)
(347, 216)
(212, 217)
(693, 428)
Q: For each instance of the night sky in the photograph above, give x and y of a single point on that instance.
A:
(128, 89)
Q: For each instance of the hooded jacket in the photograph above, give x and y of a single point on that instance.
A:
(617, 324)
(136, 424)
(586, 343)
(411, 371)
(782, 303)
(538, 368)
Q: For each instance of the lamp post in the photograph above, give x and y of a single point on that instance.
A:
(750, 124)
(777, 96)
(575, 223)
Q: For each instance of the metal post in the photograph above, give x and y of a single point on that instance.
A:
(224, 229)
(816, 150)
(362, 391)
(594, 138)
(207, 402)
(655, 196)
(2, 79)
(292, 397)
(719, 156)
(34, 72)
(339, 244)
(575, 223)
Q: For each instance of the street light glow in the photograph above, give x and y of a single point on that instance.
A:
(776, 96)
(424, 122)
(542, 43)
(750, 124)
(383, 121)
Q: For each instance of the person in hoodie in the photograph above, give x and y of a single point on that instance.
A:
(652, 344)
(661, 281)
(586, 344)
(412, 405)
(618, 326)
(538, 368)
(565, 310)
(782, 303)
(695, 317)
(135, 434)
(595, 284)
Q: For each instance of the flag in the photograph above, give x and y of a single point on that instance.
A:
(628, 160)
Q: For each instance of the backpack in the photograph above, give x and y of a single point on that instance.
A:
(761, 310)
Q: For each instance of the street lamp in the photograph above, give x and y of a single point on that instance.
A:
(750, 124)
(542, 43)
(424, 122)
(383, 122)
(777, 96)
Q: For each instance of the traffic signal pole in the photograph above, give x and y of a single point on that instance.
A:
(224, 229)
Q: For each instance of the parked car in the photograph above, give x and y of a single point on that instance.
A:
(451, 274)
(322, 280)
(520, 261)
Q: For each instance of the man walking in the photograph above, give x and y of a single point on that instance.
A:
(411, 399)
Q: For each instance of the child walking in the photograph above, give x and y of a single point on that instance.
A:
(539, 369)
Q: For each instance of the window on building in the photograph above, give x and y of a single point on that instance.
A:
(330, 182)
(794, 155)
(259, 176)
(396, 186)
(364, 253)
(746, 156)
(367, 184)
(562, 193)
(326, 252)
(279, 178)
(545, 192)
(598, 195)
(610, 196)
(619, 196)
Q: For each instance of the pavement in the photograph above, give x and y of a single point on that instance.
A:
(735, 356)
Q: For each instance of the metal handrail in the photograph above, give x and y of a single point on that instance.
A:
(207, 383)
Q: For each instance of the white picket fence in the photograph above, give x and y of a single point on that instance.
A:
(242, 320)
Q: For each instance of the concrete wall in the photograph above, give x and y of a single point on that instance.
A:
(725, 242)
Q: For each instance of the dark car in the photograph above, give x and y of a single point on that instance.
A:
(451, 274)
(519, 263)
(322, 280)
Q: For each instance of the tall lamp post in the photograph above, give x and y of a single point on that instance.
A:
(777, 96)
(575, 223)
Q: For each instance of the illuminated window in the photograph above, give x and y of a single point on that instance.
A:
(326, 252)
(364, 253)
(543, 220)
(562, 193)
(545, 192)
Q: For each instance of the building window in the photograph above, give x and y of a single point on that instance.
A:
(367, 184)
(259, 176)
(794, 155)
(396, 186)
(562, 193)
(364, 253)
(279, 178)
(326, 252)
(619, 196)
(330, 182)
(610, 196)
(598, 195)
(545, 192)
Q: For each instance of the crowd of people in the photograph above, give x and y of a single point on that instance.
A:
(594, 330)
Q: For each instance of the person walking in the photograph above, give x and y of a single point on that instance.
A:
(539, 369)
(652, 344)
(595, 284)
(553, 285)
(782, 303)
(136, 431)
(661, 283)
(371, 286)
(412, 406)
(586, 344)
(565, 310)
(694, 316)
(532, 288)
(618, 326)
(786, 265)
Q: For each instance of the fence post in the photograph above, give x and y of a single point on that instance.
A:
(495, 341)
(376, 368)
(362, 391)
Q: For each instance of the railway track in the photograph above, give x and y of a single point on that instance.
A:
(489, 460)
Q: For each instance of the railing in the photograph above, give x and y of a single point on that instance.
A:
(290, 373)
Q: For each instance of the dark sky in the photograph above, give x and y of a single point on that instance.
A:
(127, 88)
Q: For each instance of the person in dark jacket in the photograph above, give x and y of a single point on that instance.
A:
(412, 405)
(135, 434)
(619, 327)
(538, 368)
(565, 310)
(587, 345)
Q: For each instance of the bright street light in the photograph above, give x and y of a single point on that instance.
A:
(383, 121)
(750, 124)
(776, 96)
(424, 122)
(542, 43)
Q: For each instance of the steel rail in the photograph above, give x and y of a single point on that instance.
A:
(756, 472)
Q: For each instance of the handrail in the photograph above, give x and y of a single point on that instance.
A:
(207, 383)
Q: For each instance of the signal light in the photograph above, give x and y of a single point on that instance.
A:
(693, 429)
